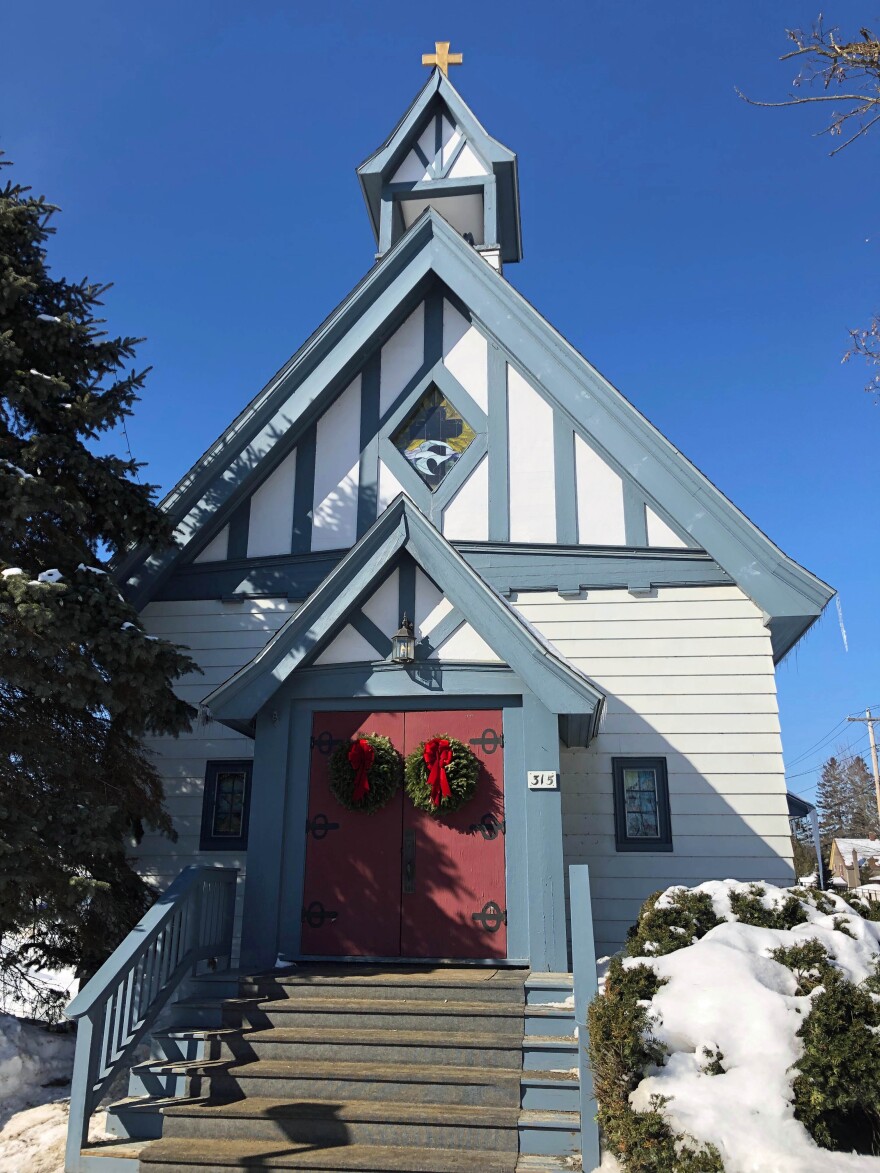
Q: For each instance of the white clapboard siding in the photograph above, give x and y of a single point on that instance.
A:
(689, 677)
(221, 637)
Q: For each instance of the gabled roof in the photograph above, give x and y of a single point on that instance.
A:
(376, 170)
(564, 689)
(791, 597)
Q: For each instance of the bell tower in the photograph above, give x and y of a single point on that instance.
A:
(441, 157)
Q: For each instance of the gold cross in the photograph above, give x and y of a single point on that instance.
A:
(441, 57)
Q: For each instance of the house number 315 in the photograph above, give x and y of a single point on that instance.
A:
(543, 780)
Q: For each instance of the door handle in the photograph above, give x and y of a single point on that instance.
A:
(409, 862)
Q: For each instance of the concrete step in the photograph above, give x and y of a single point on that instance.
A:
(458, 1048)
(198, 1156)
(368, 1013)
(394, 1082)
(345, 1122)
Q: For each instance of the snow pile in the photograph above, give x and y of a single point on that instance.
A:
(726, 999)
(35, 1070)
(31, 1059)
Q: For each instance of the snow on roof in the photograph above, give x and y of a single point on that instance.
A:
(864, 848)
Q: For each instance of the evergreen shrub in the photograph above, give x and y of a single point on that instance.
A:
(682, 919)
(621, 1049)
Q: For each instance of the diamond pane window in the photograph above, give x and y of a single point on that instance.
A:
(433, 437)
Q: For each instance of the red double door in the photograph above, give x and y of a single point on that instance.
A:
(401, 882)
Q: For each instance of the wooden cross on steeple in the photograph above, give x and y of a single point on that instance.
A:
(442, 58)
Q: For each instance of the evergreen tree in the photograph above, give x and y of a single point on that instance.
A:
(832, 799)
(846, 799)
(80, 682)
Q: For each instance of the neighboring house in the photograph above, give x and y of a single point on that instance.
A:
(849, 855)
(591, 614)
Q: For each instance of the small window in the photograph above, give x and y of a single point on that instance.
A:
(226, 806)
(641, 804)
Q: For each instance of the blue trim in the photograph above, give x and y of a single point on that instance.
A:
(260, 913)
(547, 935)
(406, 580)
(634, 520)
(447, 627)
(506, 567)
(304, 492)
(562, 687)
(368, 467)
(566, 493)
(499, 447)
(375, 637)
(239, 524)
(288, 896)
(586, 987)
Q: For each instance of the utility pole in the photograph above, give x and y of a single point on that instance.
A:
(871, 722)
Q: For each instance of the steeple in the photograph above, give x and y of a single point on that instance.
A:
(440, 156)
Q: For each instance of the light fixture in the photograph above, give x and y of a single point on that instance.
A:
(403, 643)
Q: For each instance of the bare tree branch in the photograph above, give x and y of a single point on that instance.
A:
(827, 61)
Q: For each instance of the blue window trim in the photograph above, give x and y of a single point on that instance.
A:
(627, 842)
(208, 841)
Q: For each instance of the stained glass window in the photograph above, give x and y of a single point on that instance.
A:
(642, 815)
(229, 802)
(641, 804)
(433, 437)
(225, 805)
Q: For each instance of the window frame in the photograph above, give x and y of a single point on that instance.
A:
(624, 841)
(207, 840)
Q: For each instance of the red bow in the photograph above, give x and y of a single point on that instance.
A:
(437, 755)
(361, 756)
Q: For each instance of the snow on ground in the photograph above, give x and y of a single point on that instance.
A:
(725, 992)
(35, 1068)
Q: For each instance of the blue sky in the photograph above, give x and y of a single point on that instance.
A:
(708, 257)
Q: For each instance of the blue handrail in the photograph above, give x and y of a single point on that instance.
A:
(191, 922)
(583, 964)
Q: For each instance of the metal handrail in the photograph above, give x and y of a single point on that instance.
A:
(191, 922)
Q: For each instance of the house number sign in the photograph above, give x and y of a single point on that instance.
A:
(543, 780)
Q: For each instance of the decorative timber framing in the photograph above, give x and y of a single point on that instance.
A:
(790, 596)
(499, 188)
(403, 530)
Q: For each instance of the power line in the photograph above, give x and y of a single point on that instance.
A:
(794, 761)
(851, 747)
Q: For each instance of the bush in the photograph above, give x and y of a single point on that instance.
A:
(749, 908)
(683, 917)
(621, 1049)
(810, 963)
(836, 1091)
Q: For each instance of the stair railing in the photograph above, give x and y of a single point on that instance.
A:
(583, 964)
(190, 923)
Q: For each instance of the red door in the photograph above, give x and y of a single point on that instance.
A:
(402, 883)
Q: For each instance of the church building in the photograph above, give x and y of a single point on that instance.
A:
(590, 614)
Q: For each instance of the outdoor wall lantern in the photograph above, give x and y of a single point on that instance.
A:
(403, 643)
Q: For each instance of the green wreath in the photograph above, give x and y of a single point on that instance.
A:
(365, 772)
(441, 775)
